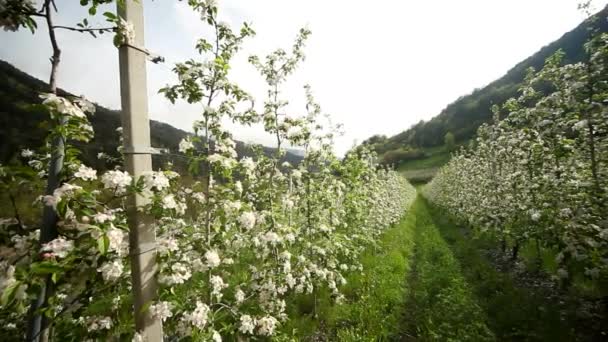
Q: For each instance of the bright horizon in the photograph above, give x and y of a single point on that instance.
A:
(378, 69)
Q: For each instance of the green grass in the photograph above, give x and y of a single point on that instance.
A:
(514, 312)
(420, 176)
(422, 170)
(374, 298)
(441, 305)
(436, 159)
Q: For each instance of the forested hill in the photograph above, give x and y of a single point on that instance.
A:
(466, 114)
(23, 123)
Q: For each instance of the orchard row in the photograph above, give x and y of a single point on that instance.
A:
(234, 247)
(538, 177)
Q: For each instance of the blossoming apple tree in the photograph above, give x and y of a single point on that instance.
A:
(233, 247)
(539, 176)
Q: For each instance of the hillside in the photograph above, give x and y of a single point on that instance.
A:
(421, 146)
(22, 124)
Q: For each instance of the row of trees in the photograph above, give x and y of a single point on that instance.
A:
(233, 247)
(539, 176)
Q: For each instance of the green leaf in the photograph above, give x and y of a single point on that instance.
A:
(103, 244)
(9, 293)
(93, 10)
(111, 16)
(46, 267)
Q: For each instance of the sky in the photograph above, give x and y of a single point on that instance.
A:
(377, 67)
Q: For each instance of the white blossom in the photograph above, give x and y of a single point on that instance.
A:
(103, 217)
(7, 275)
(161, 310)
(218, 285)
(154, 180)
(294, 132)
(248, 164)
(178, 274)
(247, 220)
(85, 105)
(26, 153)
(535, 216)
(137, 337)
(271, 238)
(116, 180)
(199, 197)
(111, 270)
(210, 3)
(167, 245)
(117, 239)
(267, 325)
(199, 316)
(212, 258)
(185, 145)
(97, 323)
(169, 202)
(62, 105)
(86, 173)
(247, 324)
(239, 296)
(580, 125)
(59, 247)
(126, 32)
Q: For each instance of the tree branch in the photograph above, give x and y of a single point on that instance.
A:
(99, 29)
(15, 209)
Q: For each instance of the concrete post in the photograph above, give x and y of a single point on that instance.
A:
(136, 134)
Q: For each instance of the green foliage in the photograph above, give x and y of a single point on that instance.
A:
(450, 143)
(401, 155)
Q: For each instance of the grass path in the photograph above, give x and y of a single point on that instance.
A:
(440, 305)
(429, 280)
(457, 294)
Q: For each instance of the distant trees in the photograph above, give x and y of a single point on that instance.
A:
(449, 141)
(398, 156)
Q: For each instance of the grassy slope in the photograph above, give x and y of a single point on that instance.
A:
(422, 170)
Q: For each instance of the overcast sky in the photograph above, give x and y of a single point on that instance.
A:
(377, 66)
